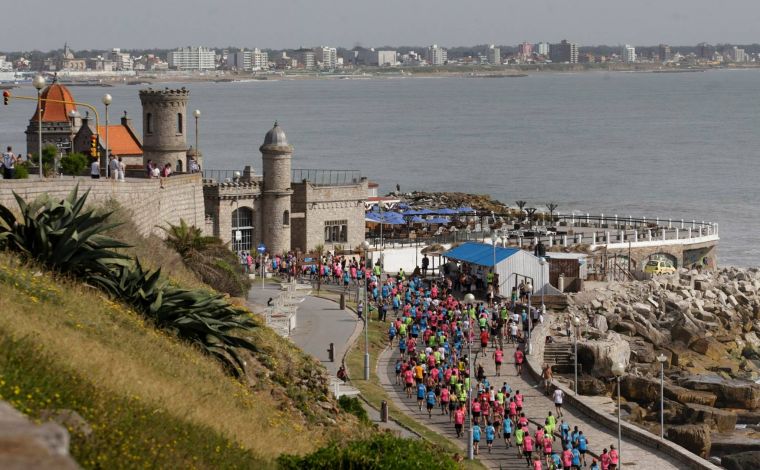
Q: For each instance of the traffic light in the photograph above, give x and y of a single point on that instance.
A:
(6, 97)
(94, 145)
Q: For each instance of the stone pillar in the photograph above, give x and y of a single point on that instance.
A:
(276, 155)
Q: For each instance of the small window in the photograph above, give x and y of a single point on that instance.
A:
(149, 123)
(286, 218)
(179, 123)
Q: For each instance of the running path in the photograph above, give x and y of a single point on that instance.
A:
(537, 405)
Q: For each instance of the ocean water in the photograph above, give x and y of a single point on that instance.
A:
(641, 144)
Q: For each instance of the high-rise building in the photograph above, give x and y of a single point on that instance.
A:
(121, 60)
(192, 58)
(738, 54)
(525, 50)
(664, 53)
(306, 59)
(436, 55)
(248, 60)
(628, 54)
(705, 51)
(327, 57)
(542, 48)
(493, 55)
(564, 52)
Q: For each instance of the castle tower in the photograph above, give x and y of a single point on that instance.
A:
(276, 154)
(165, 127)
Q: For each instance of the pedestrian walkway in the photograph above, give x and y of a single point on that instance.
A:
(537, 406)
(321, 322)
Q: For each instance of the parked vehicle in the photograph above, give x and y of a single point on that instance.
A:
(659, 267)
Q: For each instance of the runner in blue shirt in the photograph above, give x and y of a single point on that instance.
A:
(421, 391)
(565, 430)
(576, 458)
(582, 446)
(557, 461)
(507, 432)
(431, 401)
(490, 435)
(476, 438)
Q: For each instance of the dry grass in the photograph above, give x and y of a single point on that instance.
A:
(115, 350)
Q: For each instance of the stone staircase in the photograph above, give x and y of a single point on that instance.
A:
(560, 356)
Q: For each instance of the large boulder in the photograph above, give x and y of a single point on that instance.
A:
(693, 437)
(591, 386)
(722, 420)
(597, 357)
(684, 395)
(640, 389)
(741, 461)
(730, 393)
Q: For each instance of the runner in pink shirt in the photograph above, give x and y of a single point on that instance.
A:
(614, 458)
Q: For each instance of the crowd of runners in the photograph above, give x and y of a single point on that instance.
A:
(437, 337)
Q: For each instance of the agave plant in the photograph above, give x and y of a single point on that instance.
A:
(61, 234)
(204, 319)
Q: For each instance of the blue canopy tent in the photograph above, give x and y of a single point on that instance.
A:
(466, 210)
(438, 220)
(446, 211)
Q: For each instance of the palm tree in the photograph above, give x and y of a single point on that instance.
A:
(552, 206)
(188, 240)
(520, 205)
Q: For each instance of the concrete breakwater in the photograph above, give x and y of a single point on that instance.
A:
(706, 324)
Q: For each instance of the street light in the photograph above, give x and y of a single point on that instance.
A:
(469, 299)
(39, 84)
(529, 289)
(107, 99)
(365, 246)
(73, 115)
(619, 369)
(661, 359)
(576, 323)
(197, 114)
(542, 262)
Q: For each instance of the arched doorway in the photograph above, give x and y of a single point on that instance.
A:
(242, 229)
(664, 257)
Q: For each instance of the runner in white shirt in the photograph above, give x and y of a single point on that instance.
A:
(558, 396)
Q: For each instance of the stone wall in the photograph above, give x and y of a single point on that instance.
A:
(153, 203)
(639, 256)
(318, 204)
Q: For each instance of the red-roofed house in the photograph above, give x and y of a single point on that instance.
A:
(58, 124)
(122, 141)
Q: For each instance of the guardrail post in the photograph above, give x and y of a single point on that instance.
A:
(681, 223)
(564, 240)
(664, 234)
(670, 223)
(616, 221)
(607, 237)
(677, 233)
(689, 232)
(635, 236)
(649, 234)
(587, 221)
(551, 241)
(601, 220)
(593, 238)
(693, 223)
(657, 221)
(621, 236)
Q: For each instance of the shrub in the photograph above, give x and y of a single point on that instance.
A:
(382, 451)
(74, 164)
(353, 406)
(22, 171)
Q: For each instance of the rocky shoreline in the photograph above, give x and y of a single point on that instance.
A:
(707, 325)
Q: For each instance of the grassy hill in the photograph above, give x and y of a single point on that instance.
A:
(146, 396)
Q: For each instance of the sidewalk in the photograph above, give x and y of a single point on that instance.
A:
(320, 322)
(537, 405)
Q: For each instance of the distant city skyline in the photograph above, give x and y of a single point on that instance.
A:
(289, 24)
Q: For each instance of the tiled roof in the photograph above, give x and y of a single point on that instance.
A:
(55, 112)
(120, 140)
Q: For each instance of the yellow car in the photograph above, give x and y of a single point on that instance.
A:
(659, 267)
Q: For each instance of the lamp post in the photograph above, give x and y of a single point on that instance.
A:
(661, 359)
(469, 299)
(365, 245)
(576, 323)
(73, 115)
(197, 114)
(618, 369)
(39, 84)
(542, 262)
(529, 288)
(107, 99)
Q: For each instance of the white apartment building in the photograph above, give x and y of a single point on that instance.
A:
(5, 66)
(436, 55)
(738, 54)
(542, 48)
(192, 58)
(493, 55)
(121, 60)
(628, 54)
(248, 60)
(326, 56)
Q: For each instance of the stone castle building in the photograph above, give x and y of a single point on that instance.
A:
(316, 207)
(60, 119)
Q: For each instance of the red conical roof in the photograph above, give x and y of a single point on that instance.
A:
(53, 111)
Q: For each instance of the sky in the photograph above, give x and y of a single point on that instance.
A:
(281, 24)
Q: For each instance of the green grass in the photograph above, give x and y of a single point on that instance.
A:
(374, 393)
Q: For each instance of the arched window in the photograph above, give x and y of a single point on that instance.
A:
(149, 123)
(286, 218)
(179, 166)
(242, 229)
(179, 123)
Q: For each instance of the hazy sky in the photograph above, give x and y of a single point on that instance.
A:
(291, 23)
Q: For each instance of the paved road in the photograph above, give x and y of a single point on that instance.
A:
(537, 406)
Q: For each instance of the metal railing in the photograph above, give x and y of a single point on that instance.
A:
(222, 176)
(326, 177)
